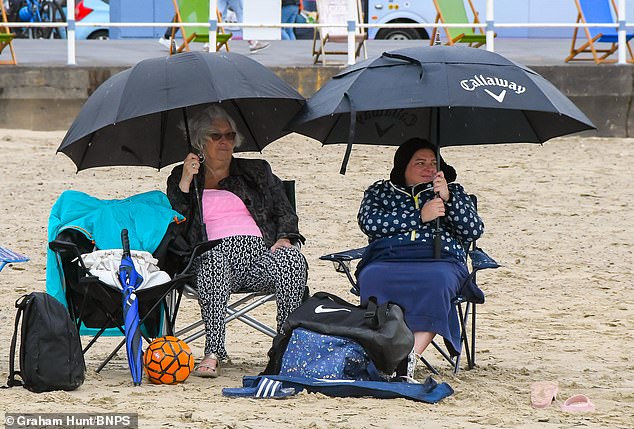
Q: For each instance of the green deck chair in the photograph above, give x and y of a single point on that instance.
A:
(454, 12)
(196, 11)
(6, 37)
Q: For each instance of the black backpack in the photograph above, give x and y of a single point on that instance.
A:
(51, 357)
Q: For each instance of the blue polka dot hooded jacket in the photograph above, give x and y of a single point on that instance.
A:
(392, 213)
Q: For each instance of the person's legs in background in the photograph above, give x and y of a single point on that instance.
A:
(289, 15)
(238, 8)
(232, 11)
(167, 38)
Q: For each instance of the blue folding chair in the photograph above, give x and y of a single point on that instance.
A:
(597, 12)
(465, 301)
(9, 257)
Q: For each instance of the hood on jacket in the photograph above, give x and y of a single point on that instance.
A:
(404, 154)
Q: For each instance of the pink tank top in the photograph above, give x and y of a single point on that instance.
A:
(225, 215)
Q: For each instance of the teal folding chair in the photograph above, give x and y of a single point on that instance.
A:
(8, 256)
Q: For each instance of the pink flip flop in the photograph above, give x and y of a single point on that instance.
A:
(577, 403)
(543, 393)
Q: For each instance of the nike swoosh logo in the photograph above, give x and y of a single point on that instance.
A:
(322, 309)
(382, 131)
(498, 98)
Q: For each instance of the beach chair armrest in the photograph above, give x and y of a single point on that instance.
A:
(480, 260)
(346, 255)
(64, 248)
(341, 261)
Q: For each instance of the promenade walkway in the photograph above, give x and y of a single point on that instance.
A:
(281, 53)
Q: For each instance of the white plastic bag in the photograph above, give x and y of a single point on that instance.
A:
(105, 265)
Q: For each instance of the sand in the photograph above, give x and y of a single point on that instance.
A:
(558, 219)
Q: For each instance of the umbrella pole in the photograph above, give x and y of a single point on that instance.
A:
(203, 228)
(351, 134)
(435, 131)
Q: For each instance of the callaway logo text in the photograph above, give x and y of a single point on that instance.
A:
(479, 80)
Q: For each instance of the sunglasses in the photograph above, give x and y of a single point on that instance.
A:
(231, 136)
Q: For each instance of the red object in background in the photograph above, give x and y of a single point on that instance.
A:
(81, 11)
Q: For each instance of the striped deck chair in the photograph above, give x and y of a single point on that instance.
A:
(454, 12)
(8, 256)
(597, 12)
(196, 11)
(335, 12)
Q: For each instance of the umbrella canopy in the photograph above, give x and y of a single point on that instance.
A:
(446, 94)
(133, 118)
(130, 280)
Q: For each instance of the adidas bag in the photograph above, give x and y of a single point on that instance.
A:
(50, 350)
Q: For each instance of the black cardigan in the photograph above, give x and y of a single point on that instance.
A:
(259, 189)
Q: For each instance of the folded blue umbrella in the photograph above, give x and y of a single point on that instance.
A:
(130, 279)
(430, 391)
(8, 256)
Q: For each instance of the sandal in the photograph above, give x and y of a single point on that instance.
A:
(205, 369)
(577, 403)
(543, 393)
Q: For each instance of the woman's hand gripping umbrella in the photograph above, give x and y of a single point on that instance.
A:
(130, 279)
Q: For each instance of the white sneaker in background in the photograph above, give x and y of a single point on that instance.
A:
(165, 42)
(256, 46)
(206, 47)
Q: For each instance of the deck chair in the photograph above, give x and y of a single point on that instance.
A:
(94, 305)
(8, 256)
(6, 37)
(195, 11)
(245, 302)
(464, 301)
(336, 12)
(454, 12)
(596, 12)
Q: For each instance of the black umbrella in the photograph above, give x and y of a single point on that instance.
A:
(132, 118)
(448, 95)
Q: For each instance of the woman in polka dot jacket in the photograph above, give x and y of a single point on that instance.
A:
(399, 217)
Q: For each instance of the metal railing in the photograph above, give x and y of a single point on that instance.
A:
(351, 25)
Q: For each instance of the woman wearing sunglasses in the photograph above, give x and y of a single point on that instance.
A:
(244, 206)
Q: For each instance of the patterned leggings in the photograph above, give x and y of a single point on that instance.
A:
(243, 263)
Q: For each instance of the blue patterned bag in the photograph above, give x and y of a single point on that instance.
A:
(313, 355)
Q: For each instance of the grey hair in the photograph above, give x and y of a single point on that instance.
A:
(200, 127)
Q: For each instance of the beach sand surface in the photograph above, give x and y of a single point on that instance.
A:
(558, 219)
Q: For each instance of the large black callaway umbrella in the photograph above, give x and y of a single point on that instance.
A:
(449, 95)
(133, 117)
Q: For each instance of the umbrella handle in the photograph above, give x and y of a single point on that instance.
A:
(125, 243)
(437, 240)
(199, 206)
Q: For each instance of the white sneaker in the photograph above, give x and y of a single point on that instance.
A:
(412, 359)
(165, 42)
(258, 46)
(206, 47)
